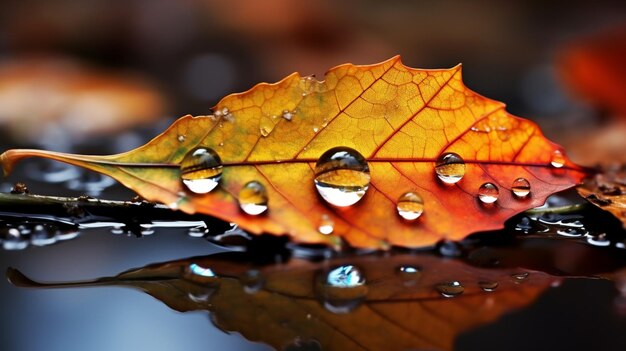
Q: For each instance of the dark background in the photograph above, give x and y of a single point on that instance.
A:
(193, 52)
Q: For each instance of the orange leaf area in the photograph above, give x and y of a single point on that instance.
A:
(398, 302)
(607, 190)
(401, 120)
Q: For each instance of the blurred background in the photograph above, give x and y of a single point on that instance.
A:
(103, 76)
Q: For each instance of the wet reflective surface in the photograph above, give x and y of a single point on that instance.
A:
(527, 282)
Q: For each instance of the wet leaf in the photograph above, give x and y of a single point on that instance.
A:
(607, 190)
(399, 297)
(399, 120)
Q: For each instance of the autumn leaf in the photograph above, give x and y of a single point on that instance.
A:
(396, 122)
(348, 303)
(607, 190)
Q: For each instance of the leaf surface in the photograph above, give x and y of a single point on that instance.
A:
(607, 190)
(400, 119)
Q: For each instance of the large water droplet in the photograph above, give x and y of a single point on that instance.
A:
(488, 193)
(450, 289)
(343, 289)
(520, 187)
(342, 176)
(201, 170)
(253, 198)
(558, 159)
(410, 206)
(450, 168)
(488, 285)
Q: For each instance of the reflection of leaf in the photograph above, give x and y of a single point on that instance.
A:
(282, 303)
(401, 119)
(607, 190)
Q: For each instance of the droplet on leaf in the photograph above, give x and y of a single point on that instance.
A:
(450, 289)
(195, 269)
(342, 176)
(201, 170)
(558, 160)
(287, 115)
(520, 187)
(253, 198)
(410, 206)
(450, 168)
(520, 276)
(488, 285)
(347, 276)
(327, 226)
(181, 138)
(488, 193)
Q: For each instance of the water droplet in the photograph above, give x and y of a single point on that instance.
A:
(488, 285)
(265, 131)
(253, 198)
(520, 276)
(201, 170)
(558, 159)
(342, 176)
(450, 289)
(181, 138)
(43, 235)
(12, 240)
(598, 240)
(572, 232)
(198, 232)
(409, 274)
(195, 269)
(343, 289)
(252, 281)
(450, 168)
(287, 115)
(449, 249)
(410, 206)
(347, 276)
(488, 193)
(327, 226)
(520, 187)
(315, 129)
(117, 230)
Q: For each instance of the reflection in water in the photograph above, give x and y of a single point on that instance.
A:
(353, 301)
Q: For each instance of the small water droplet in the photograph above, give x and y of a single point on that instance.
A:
(524, 225)
(12, 240)
(342, 176)
(488, 285)
(520, 276)
(198, 270)
(449, 249)
(558, 159)
(450, 289)
(287, 115)
(572, 232)
(410, 206)
(621, 244)
(265, 131)
(117, 230)
(252, 281)
(598, 240)
(253, 198)
(520, 187)
(409, 274)
(43, 235)
(315, 129)
(198, 232)
(181, 138)
(450, 168)
(347, 276)
(201, 170)
(327, 226)
(488, 193)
